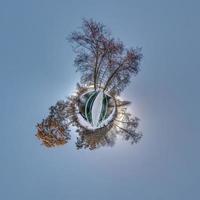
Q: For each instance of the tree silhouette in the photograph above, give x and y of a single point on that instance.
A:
(52, 132)
(103, 61)
(127, 125)
(95, 139)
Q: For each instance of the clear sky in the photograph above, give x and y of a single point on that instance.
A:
(36, 70)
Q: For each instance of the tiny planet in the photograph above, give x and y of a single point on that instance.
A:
(95, 109)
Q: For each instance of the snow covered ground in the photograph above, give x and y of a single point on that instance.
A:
(96, 114)
(96, 109)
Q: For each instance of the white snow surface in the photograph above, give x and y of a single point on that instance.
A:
(96, 109)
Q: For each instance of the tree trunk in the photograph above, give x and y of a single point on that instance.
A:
(95, 72)
(111, 77)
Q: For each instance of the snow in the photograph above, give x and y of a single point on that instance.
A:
(96, 112)
(96, 109)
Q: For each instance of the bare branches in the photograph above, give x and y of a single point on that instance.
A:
(89, 46)
(127, 128)
(52, 132)
(95, 139)
(101, 59)
(126, 64)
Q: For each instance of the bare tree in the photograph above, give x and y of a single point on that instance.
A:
(95, 139)
(126, 126)
(123, 65)
(89, 46)
(103, 61)
(52, 132)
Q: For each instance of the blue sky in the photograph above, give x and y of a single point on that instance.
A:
(36, 70)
